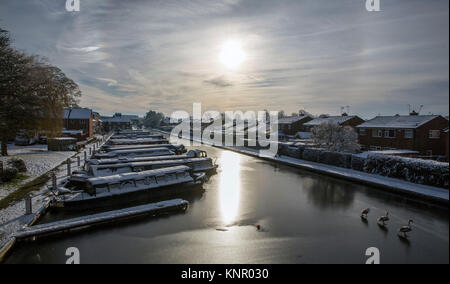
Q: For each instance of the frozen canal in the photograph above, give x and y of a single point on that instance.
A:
(305, 218)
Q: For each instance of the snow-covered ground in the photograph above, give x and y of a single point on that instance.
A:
(37, 159)
(12, 218)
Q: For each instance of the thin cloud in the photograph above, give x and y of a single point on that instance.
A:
(218, 82)
(133, 55)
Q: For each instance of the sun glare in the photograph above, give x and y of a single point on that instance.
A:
(232, 54)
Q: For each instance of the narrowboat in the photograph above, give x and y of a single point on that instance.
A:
(149, 152)
(99, 192)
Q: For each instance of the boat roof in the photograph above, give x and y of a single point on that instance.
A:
(136, 175)
(137, 140)
(142, 150)
(137, 159)
(148, 163)
(142, 146)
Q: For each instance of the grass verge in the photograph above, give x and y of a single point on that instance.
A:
(25, 189)
(17, 179)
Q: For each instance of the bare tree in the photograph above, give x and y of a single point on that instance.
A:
(32, 93)
(336, 138)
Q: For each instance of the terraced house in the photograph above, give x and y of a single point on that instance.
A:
(293, 124)
(422, 133)
(342, 120)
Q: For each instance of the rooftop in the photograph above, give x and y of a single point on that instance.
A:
(336, 119)
(77, 113)
(398, 121)
(291, 119)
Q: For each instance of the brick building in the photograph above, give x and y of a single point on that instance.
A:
(342, 120)
(292, 124)
(421, 133)
(79, 120)
(117, 122)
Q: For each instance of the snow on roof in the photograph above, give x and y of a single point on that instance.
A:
(336, 119)
(137, 175)
(395, 152)
(137, 141)
(398, 121)
(135, 151)
(303, 135)
(110, 148)
(168, 163)
(130, 116)
(137, 159)
(116, 119)
(291, 119)
(72, 132)
(64, 138)
(77, 113)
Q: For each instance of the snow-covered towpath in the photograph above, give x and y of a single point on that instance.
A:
(425, 192)
(12, 218)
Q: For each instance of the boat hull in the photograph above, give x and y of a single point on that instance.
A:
(142, 196)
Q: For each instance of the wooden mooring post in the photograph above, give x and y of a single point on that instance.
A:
(28, 206)
(78, 161)
(69, 165)
(54, 186)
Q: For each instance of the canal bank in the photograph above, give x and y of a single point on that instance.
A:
(422, 193)
(17, 219)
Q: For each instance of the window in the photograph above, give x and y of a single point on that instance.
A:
(362, 131)
(434, 134)
(429, 153)
(409, 133)
(374, 148)
(377, 133)
(389, 133)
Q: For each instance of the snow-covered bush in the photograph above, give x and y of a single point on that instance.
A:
(357, 163)
(18, 164)
(312, 155)
(335, 138)
(335, 159)
(293, 152)
(289, 149)
(8, 174)
(413, 170)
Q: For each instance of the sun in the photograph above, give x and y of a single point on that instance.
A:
(232, 54)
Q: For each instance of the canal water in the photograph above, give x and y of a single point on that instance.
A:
(303, 218)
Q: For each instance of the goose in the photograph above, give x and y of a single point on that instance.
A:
(383, 219)
(406, 229)
(364, 213)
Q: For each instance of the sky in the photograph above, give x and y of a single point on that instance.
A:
(318, 55)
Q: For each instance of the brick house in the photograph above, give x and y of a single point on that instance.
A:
(292, 124)
(421, 133)
(97, 123)
(342, 120)
(79, 119)
(117, 122)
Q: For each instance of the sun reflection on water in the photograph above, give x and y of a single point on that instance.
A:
(229, 185)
